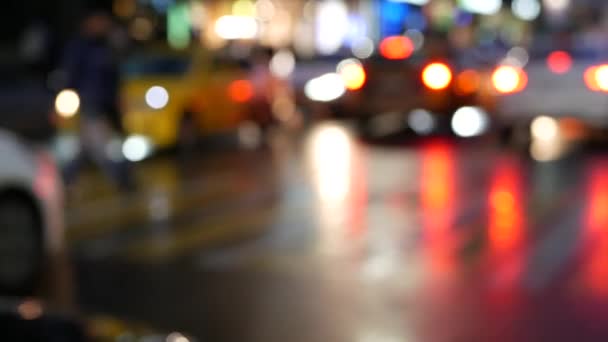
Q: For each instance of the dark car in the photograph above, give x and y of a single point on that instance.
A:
(418, 95)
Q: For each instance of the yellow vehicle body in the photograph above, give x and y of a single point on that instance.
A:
(202, 95)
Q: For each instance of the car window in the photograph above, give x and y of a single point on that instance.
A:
(156, 65)
(227, 63)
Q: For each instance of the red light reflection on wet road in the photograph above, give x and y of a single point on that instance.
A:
(506, 210)
(358, 194)
(437, 200)
(597, 231)
(437, 187)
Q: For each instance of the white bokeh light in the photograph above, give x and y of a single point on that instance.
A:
(544, 128)
(157, 97)
(416, 37)
(526, 9)
(282, 63)
(469, 122)
(325, 88)
(67, 103)
(236, 27)
(517, 57)
(421, 121)
(363, 48)
(332, 26)
(136, 148)
(485, 7)
(556, 5)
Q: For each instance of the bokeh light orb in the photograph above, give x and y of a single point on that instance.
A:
(437, 76)
(67, 103)
(509, 79)
(157, 97)
(396, 47)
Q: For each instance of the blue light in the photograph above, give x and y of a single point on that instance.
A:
(392, 17)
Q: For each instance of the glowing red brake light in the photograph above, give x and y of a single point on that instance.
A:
(396, 47)
(559, 62)
(467, 82)
(240, 91)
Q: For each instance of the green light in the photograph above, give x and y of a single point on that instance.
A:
(178, 26)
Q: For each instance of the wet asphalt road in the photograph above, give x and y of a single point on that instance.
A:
(326, 238)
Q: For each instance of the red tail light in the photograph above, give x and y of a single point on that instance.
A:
(559, 62)
(396, 47)
(467, 82)
(240, 91)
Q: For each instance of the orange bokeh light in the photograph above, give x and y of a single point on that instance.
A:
(353, 76)
(559, 62)
(467, 82)
(508, 79)
(601, 77)
(590, 79)
(396, 47)
(436, 76)
(240, 91)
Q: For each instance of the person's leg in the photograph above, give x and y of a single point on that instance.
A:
(99, 138)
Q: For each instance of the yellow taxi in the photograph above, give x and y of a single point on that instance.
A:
(170, 97)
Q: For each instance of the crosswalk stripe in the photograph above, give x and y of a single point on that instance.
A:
(137, 212)
(199, 235)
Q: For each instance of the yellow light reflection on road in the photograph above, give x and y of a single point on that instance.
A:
(331, 160)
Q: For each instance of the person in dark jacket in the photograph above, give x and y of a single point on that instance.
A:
(92, 71)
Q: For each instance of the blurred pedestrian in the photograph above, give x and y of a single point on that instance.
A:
(92, 71)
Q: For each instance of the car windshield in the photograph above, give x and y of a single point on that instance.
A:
(155, 65)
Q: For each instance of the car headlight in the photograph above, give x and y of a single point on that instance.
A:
(469, 122)
(137, 147)
(325, 88)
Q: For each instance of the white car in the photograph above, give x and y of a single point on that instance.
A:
(31, 214)
(565, 93)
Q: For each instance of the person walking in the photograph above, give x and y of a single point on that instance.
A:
(92, 71)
